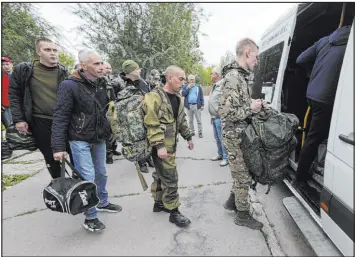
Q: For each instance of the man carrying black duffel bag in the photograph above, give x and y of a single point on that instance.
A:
(79, 115)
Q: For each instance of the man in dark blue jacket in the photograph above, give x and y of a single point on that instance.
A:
(194, 103)
(325, 58)
(79, 116)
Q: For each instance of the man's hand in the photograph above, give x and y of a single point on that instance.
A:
(59, 156)
(265, 105)
(3, 108)
(162, 153)
(256, 105)
(22, 126)
(190, 145)
(190, 85)
(202, 108)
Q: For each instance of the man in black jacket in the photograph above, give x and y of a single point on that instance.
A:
(33, 92)
(325, 58)
(79, 115)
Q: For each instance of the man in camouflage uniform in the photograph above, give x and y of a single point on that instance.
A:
(112, 91)
(164, 119)
(154, 79)
(236, 108)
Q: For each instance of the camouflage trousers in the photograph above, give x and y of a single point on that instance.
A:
(165, 185)
(242, 178)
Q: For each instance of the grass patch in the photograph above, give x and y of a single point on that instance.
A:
(130, 194)
(19, 162)
(27, 212)
(11, 180)
(199, 186)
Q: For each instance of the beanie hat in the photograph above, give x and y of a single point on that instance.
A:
(5, 59)
(129, 66)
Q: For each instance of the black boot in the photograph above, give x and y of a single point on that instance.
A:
(159, 206)
(244, 218)
(230, 204)
(150, 162)
(179, 219)
(110, 160)
(116, 153)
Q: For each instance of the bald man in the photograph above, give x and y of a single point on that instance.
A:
(164, 119)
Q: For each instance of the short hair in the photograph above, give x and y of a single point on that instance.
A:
(171, 69)
(77, 66)
(42, 39)
(84, 54)
(191, 77)
(216, 70)
(243, 44)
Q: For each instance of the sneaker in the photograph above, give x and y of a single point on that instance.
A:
(110, 160)
(200, 136)
(110, 208)
(93, 225)
(217, 158)
(223, 163)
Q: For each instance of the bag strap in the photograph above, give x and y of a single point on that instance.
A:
(91, 94)
(64, 171)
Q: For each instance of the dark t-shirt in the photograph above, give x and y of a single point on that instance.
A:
(175, 101)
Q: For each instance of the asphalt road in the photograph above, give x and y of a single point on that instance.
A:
(30, 229)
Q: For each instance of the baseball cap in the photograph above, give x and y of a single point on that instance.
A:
(5, 59)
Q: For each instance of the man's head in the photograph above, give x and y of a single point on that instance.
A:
(215, 75)
(107, 68)
(6, 65)
(191, 79)
(91, 63)
(47, 52)
(77, 66)
(175, 77)
(247, 54)
(154, 74)
(131, 67)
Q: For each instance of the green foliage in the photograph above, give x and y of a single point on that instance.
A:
(66, 60)
(11, 180)
(20, 27)
(155, 35)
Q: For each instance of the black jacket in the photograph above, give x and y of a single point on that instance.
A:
(77, 117)
(20, 93)
(326, 56)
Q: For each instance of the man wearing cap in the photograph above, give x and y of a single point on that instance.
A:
(6, 66)
(131, 76)
(33, 94)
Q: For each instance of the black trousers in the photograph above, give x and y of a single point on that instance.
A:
(111, 146)
(41, 129)
(319, 130)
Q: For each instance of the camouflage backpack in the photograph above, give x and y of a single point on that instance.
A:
(266, 145)
(126, 120)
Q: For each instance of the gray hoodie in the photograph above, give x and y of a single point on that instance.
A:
(214, 99)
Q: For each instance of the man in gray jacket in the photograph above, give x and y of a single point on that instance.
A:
(213, 105)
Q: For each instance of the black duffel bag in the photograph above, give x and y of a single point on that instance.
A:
(70, 195)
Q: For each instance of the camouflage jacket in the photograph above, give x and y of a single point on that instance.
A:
(162, 128)
(235, 100)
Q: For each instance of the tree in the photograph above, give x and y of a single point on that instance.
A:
(155, 35)
(229, 57)
(21, 26)
(66, 60)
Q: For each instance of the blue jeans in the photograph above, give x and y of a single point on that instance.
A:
(89, 160)
(217, 131)
(6, 117)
